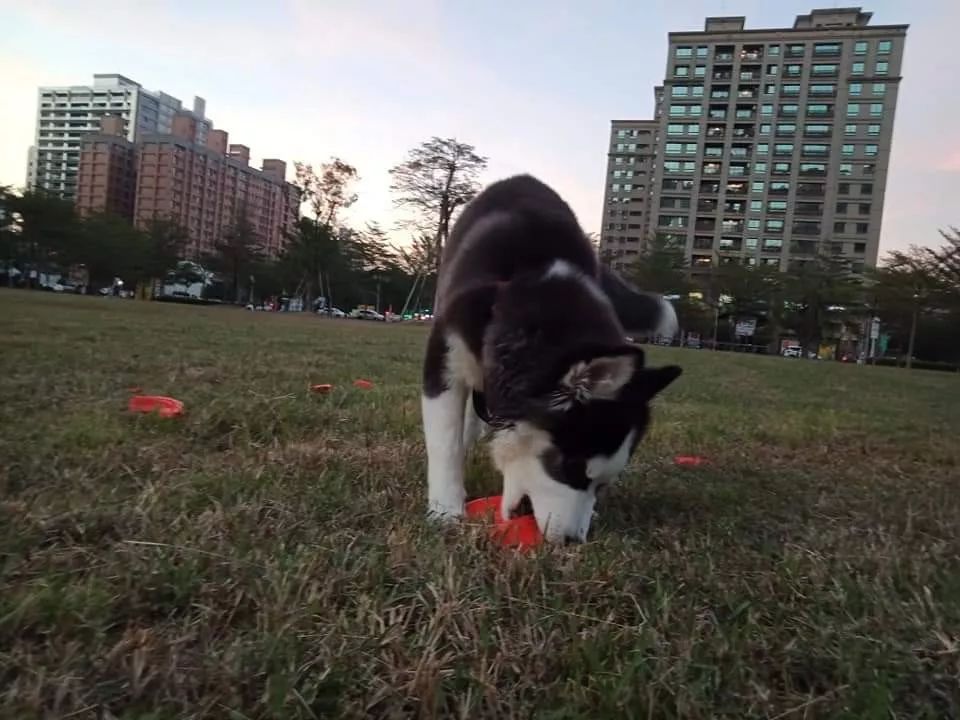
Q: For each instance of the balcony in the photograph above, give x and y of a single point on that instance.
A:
(736, 187)
(734, 207)
(706, 206)
(806, 228)
(808, 210)
(803, 247)
(717, 114)
(747, 93)
(724, 53)
(722, 74)
(712, 168)
(705, 225)
(709, 187)
(722, 93)
(748, 75)
(811, 170)
(730, 244)
(716, 130)
(824, 132)
(751, 53)
(738, 170)
(810, 190)
(743, 131)
(817, 152)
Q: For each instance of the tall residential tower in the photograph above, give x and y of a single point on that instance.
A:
(772, 145)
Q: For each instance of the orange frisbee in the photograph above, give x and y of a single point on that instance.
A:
(689, 460)
(519, 532)
(363, 384)
(321, 389)
(165, 407)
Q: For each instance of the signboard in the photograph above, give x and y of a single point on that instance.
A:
(746, 327)
(875, 329)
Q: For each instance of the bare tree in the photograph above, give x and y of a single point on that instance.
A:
(438, 177)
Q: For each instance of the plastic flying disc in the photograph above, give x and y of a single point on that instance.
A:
(165, 407)
(519, 532)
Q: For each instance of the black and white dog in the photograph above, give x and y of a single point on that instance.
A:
(529, 336)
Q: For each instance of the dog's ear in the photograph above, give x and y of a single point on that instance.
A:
(650, 381)
(601, 377)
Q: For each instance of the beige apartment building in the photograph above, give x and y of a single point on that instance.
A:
(772, 145)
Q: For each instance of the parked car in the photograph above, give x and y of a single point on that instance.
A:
(365, 314)
(332, 312)
(794, 351)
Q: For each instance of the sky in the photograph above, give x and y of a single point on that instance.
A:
(532, 85)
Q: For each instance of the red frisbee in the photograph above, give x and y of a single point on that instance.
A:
(321, 389)
(363, 384)
(689, 460)
(165, 407)
(519, 532)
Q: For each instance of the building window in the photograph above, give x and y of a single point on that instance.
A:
(766, 109)
(789, 110)
(770, 89)
(783, 149)
(841, 208)
(756, 206)
(757, 186)
(843, 188)
(684, 51)
(763, 148)
(781, 168)
(773, 50)
(681, 71)
(823, 90)
(863, 208)
(876, 109)
(773, 69)
(790, 90)
(700, 71)
(795, 50)
(873, 129)
(679, 91)
(774, 226)
(773, 244)
(675, 130)
(850, 129)
(860, 48)
(760, 168)
(863, 228)
(840, 227)
(884, 47)
(847, 150)
(777, 206)
(824, 70)
(826, 49)
(808, 168)
(856, 89)
(819, 110)
(753, 224)
(866, 189)
(701, 51)
(879, 88)
(882, 67)
(792, 70)
(853, 109)
(870, 150)
(786, 129)
(858, 68)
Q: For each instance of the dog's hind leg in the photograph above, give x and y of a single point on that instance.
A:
(443, 403)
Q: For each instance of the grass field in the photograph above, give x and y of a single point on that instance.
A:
(266, 556)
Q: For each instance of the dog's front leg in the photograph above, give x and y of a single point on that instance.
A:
(442, 404)
(444, 434)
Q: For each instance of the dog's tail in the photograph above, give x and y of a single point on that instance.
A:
(639, 312)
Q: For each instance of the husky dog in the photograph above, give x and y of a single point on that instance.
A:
(528, 343)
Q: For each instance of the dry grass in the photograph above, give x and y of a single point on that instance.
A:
(266, 556)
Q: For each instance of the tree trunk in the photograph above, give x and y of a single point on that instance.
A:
(913, 336)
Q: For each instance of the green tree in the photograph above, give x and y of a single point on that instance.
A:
(437, 178)
(817, 293)
(237, 253)
(42, 229)
(162, 244)
(109, 247)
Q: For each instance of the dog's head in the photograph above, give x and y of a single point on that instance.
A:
(576, 433)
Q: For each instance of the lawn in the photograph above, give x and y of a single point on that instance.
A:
(266, 556)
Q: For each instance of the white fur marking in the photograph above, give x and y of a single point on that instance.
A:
(605, 468)
(462, 365)
(560, 510)
(565, 269)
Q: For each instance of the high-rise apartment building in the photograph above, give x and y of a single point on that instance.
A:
(206, 187)
(107, 172)
(66, 115)
(772, 145)
(630, 166)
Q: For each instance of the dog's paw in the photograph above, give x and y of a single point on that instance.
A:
(444, 510)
